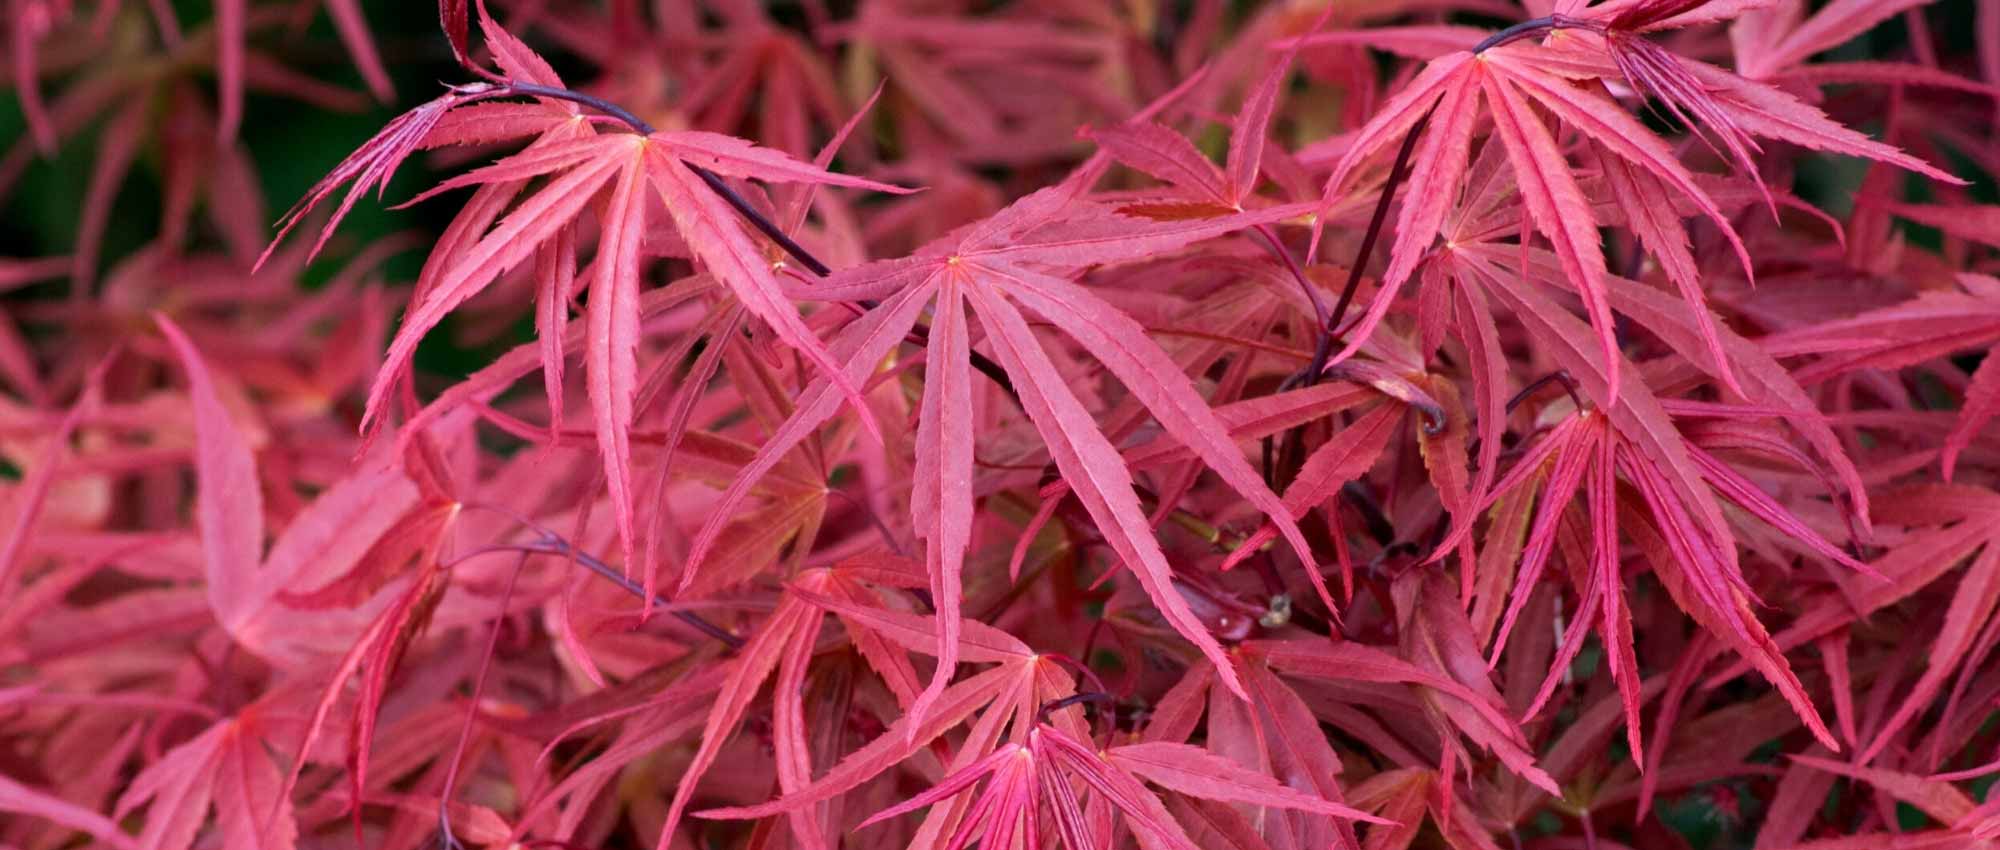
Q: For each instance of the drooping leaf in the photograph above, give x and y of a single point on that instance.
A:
(229, 502)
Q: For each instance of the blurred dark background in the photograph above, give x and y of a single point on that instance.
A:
(292, 143)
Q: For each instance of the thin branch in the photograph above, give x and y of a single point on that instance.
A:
(757, 220)
(1055, 705)
(1328, 330)
(1398, 172)
(624, 115)
(551, 543)
(1526, 29)
(1559, 376)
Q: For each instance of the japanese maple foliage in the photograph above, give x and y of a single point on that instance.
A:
(1364, 425)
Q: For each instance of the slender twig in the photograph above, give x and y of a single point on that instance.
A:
(1559, 376)
(1328, 331)
(1398, 172)
(1055, 705)
(1527, 29)
(553, 545)
(624, 116)
(548, 542)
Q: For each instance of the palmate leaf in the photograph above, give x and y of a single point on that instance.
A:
(577, 165)
(1003, 260)
(1639, 168)
(1002, 700)
(1762, 381)
(1553, 199)
(228, 767)
(1687, 530)
(785, 645)
(1551, 194)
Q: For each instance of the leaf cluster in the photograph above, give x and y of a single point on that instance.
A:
(1166, 425)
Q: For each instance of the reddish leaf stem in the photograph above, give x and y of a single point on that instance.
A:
(1398, 172)
(1328, 329)
(445, 837)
